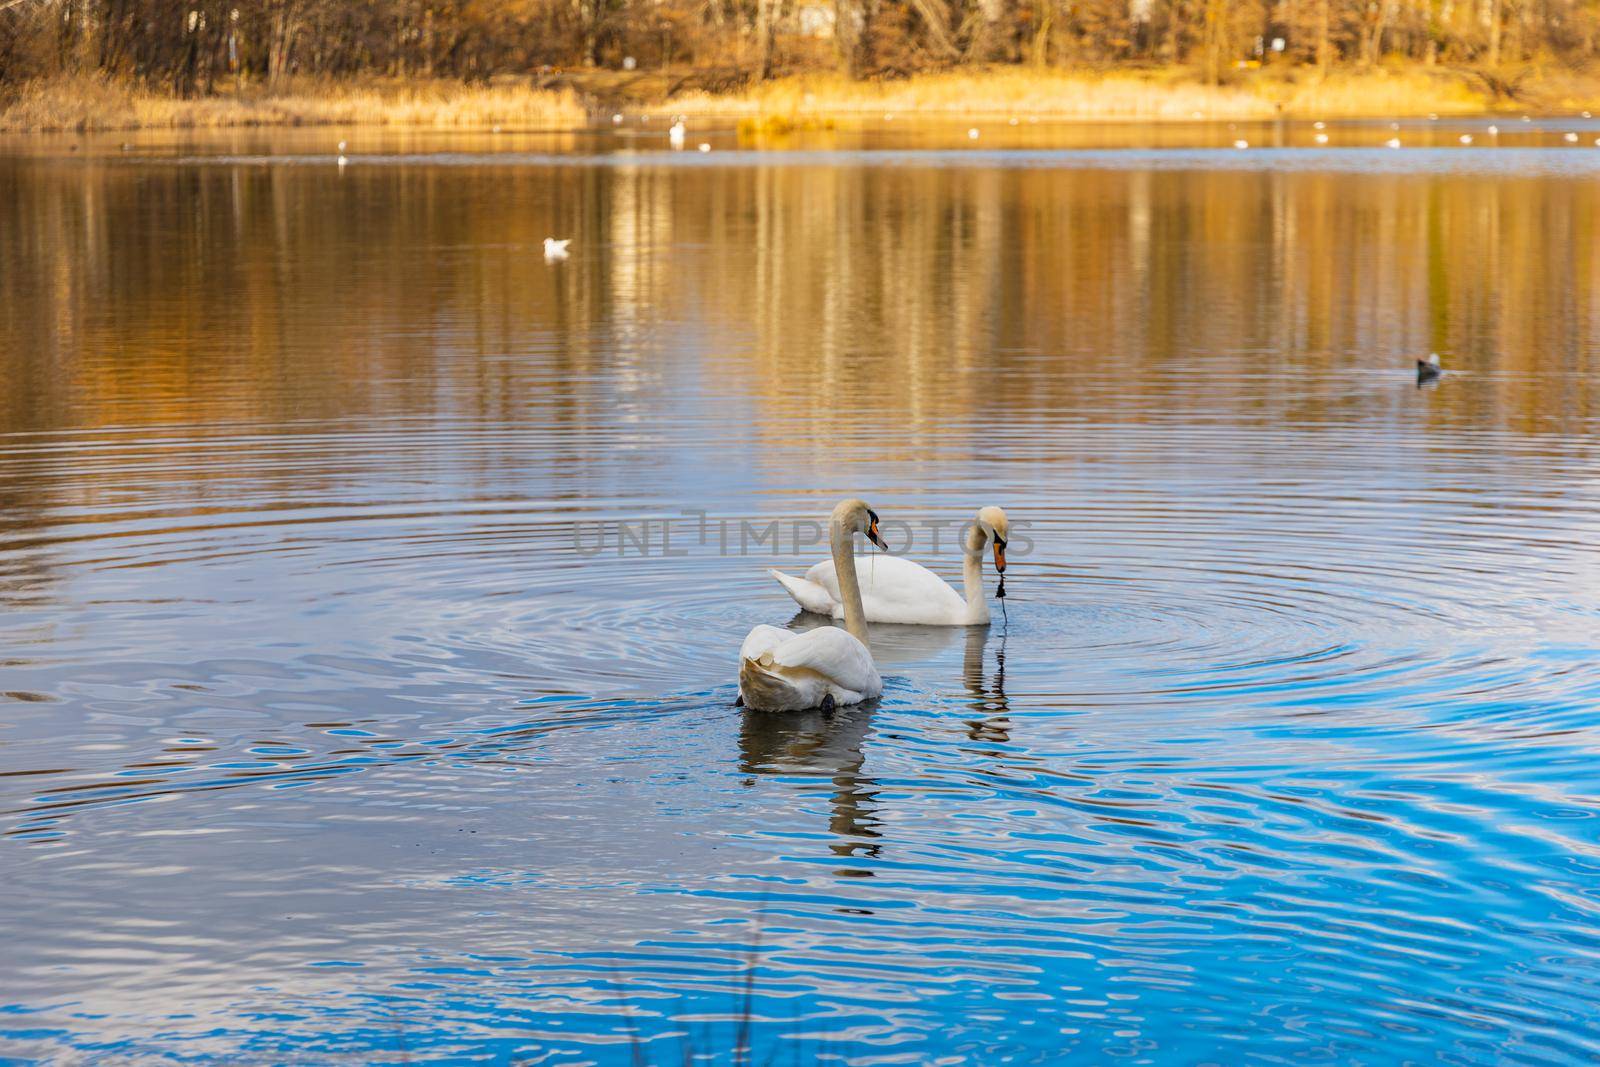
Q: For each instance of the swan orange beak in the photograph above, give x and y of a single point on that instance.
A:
(873, 535)
(1000, 556)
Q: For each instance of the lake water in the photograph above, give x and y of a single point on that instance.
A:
(370, 591)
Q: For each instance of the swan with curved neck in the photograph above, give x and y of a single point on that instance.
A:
(893, 589)
(780, 670)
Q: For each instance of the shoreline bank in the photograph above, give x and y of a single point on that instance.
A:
(575, 100)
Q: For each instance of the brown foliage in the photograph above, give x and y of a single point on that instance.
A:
(197, 47)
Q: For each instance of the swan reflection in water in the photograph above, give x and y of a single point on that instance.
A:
(827, 750)
(987, 693)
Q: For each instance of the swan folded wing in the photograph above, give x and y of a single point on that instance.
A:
(763, 638)
(894, 589)
(808, 594)
(834, 656)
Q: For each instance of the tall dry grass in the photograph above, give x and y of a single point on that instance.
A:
(1166, 95)
(96, 103)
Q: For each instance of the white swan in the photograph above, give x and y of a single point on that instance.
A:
(898, 590)
(780, 670)
(554, 249)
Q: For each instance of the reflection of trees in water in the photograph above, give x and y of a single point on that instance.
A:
(27, 570)
(263, 293)
(830, 749)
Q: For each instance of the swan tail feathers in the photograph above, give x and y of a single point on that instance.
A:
(764, 687)
(809, 595)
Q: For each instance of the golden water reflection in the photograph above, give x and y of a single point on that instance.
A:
(144, 295)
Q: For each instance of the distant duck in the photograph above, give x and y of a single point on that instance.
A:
(675, 134)
(616, 120)
(1494, 130)
(1393, 142)
(1321, 138)
(972, 134)
(1570, 138)
(1241, 143)
(1428, 369)
(1466, 138)
(705, 146)
(343, 162)
(554, 249)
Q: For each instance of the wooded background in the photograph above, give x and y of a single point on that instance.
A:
(193, 48)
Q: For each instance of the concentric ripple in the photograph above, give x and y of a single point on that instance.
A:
(369, 591)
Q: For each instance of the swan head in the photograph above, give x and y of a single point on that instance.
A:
(993, 529)
(855, 517)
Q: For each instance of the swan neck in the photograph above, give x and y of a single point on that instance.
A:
(972, 580)
(844, 565)
(972, 576)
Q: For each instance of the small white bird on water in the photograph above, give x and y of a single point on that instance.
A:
(675, 134)
(1321, 138)
(1393, 142)
(1466, 138)
(342, 162)
(616, 120)
(972, 134)
(705, 146)
(1571, 138)
(1241, 143)
(554, 249)
(341, 148)
(1494, 130)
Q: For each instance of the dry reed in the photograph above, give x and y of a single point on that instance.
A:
(1116, 96)
(96, 103)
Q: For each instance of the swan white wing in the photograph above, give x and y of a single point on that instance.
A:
(808, 594)
(763, 638)
(894, 589)
(780, 670)
(833, 655)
